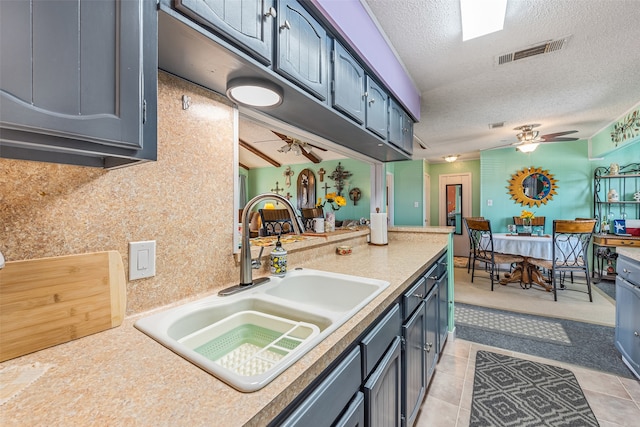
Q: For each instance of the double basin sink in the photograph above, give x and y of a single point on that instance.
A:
(249, 338)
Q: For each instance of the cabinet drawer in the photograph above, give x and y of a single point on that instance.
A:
(330, 398)
(377, 341)
(354, 415)
(628, 270)
(607, 241)
(413, 297)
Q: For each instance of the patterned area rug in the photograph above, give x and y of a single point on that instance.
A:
(547, 330)
(508, 391)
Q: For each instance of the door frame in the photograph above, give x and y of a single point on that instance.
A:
(460, 242)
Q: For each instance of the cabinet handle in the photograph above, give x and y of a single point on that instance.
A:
(636, 333)
(418, 296)
(286, 25)
(372, 101)
(433, 277)
(271, 13)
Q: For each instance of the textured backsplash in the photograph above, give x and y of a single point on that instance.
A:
(184, 201)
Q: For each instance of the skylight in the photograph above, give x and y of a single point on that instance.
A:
(480, 17)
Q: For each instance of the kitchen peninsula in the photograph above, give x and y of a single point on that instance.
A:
(122, 377)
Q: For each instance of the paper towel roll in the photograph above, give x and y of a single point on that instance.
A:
(378, 228)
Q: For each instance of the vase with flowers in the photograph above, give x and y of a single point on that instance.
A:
(527, 218)
(336, 202)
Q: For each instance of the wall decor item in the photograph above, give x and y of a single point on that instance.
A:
(306, 189)
(339, 175)
(321, 172)
(277, 190)
(355, 194)
(627, 128)
(288, 173)
(532, 186)
(614, 169)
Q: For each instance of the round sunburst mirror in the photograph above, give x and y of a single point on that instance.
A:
(532, 186)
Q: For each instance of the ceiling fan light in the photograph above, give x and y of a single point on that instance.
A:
(254, 92)
(528, 147)
(451, 158)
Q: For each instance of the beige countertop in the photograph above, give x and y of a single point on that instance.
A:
(122, 377)
(633, 253)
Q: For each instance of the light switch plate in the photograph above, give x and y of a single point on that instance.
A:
(142, 259)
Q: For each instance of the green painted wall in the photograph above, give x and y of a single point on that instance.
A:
(601, 144)
(569, 164)
(408, 179)
(263, 180)
(437, 169)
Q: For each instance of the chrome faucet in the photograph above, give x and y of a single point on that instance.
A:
(246, 263)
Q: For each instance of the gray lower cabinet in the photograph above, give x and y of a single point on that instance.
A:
(348, 84)
(382, 391)
(383, 378)
(328, 400)
(627, 336)
(78, 81)
(248, 24)
(302, 49)
(443, 304)
(414, 364)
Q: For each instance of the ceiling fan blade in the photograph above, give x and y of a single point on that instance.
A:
(309, 155)
(554, 135)
(316, 147)
(559, 139)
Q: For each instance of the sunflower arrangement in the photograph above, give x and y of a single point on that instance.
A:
(334, 200)
(525, 214)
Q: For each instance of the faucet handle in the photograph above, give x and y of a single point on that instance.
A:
(256, 263)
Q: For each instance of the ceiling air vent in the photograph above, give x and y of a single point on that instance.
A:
(537, 49)
(496, 125)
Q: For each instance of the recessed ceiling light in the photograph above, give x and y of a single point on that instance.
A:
(254, 92)
(480, 17)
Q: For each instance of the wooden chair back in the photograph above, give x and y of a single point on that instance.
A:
(276, 221)
(308, 215)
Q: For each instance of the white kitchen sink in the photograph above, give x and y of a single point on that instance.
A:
(249, 338)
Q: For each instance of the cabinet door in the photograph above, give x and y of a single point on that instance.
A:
(443, 311)
(628, 323)
(382, 391)
(376, 108)
(396, 117)
(414, 364)
(348, 84)
(407, 133)
(301, 48)
(247, 23)
(431, 331)
(73, 69)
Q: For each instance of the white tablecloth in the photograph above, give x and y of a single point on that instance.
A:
(529, 246)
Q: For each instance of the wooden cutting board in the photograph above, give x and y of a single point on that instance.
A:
(49, 301)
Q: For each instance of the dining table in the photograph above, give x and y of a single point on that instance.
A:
(528, 247)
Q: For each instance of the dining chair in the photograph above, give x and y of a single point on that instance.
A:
(275, 221)
(571, 240)
(309, 214)
(481, 239)
(536, 221)
(470, 242)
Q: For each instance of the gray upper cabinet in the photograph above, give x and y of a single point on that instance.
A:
(348, 85)
(78, 81)
(248, 24)
(376, 108)
(400, 128)
(301, 49)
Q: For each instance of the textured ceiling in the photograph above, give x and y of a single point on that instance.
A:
(585, 86)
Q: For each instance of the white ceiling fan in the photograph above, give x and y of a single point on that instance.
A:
(529, 139)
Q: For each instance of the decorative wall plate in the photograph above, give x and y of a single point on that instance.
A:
(532, 186)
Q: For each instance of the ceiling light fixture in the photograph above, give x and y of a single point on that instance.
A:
(451, 158)
(480, 17)
(528, 147)
(254, 92)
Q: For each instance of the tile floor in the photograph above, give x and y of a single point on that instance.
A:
(615, 401)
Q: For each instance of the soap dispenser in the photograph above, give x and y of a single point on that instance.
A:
(278, 261)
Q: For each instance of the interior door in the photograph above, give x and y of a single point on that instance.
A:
(460, 241)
